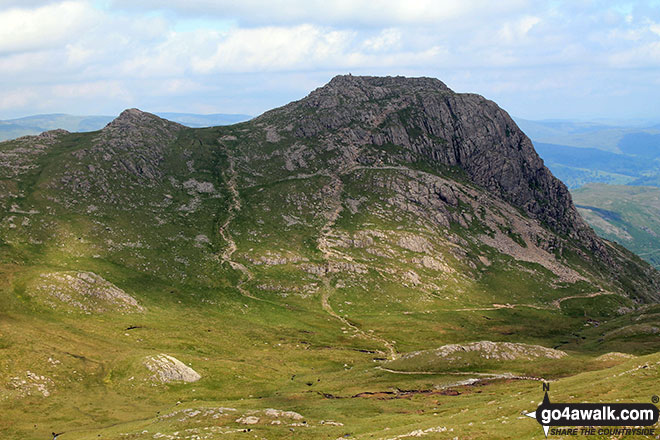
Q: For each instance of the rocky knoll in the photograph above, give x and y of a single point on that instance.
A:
(130, 150)
(137, 141)
(483, 352)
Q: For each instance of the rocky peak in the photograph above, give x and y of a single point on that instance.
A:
(137, 142)
(349, 89)
(134, 118)
(52, 134)
(430, 120)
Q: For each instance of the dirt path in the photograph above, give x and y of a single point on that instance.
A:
(234, 207)
(499, 307)
(226, 255)
(482, 376)
(323, 245)
(391, 352)
(556, 304)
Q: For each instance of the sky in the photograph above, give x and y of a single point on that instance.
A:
(575, 59)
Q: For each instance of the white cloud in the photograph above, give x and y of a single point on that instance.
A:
(17, 98)
(46, 26)
(341, 13)
(513, 32)
(275, 48)
(655, 28)
(255, 54)
(92, 89)
(386, 40)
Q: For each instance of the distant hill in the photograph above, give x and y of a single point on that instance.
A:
(198, 121)
(30, 125)
(602, 136)
(13, 128)
(584, 152)
(578, 166)
(629, 215)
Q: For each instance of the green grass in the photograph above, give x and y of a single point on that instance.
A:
(159, 241)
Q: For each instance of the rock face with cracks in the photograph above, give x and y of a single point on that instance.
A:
(457, 129)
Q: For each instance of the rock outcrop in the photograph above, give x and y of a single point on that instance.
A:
(137, 141)
(457, 356)
(84, 291)
(168, 369)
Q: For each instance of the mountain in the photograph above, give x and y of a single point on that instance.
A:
(311, 272)
(629, 215)
(31, 125)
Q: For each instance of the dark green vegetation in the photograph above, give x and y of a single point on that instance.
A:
(297, 262)
(629, 215)
(580, 153)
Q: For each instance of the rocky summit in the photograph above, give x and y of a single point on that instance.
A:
(384, 258)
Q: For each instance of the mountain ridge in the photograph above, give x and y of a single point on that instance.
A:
(36, 124)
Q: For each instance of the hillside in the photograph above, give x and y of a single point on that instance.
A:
(578, 153)
(302, 273)
(629, 215)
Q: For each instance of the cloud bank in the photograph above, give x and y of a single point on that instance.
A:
(537, 59)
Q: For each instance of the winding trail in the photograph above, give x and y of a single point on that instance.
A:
(555, 304)
(337, 187)
(477, 377)
(226, 255)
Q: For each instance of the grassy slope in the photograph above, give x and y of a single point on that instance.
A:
(282, 350)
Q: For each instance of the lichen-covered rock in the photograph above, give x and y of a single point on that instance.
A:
(168, 369)
(277, 413)
(84, 291)
(499, 350)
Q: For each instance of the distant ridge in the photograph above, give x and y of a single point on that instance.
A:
(35, 124)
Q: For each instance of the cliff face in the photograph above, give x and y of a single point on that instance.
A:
(455, 129)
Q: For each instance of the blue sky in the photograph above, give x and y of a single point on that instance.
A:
(573, 59)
